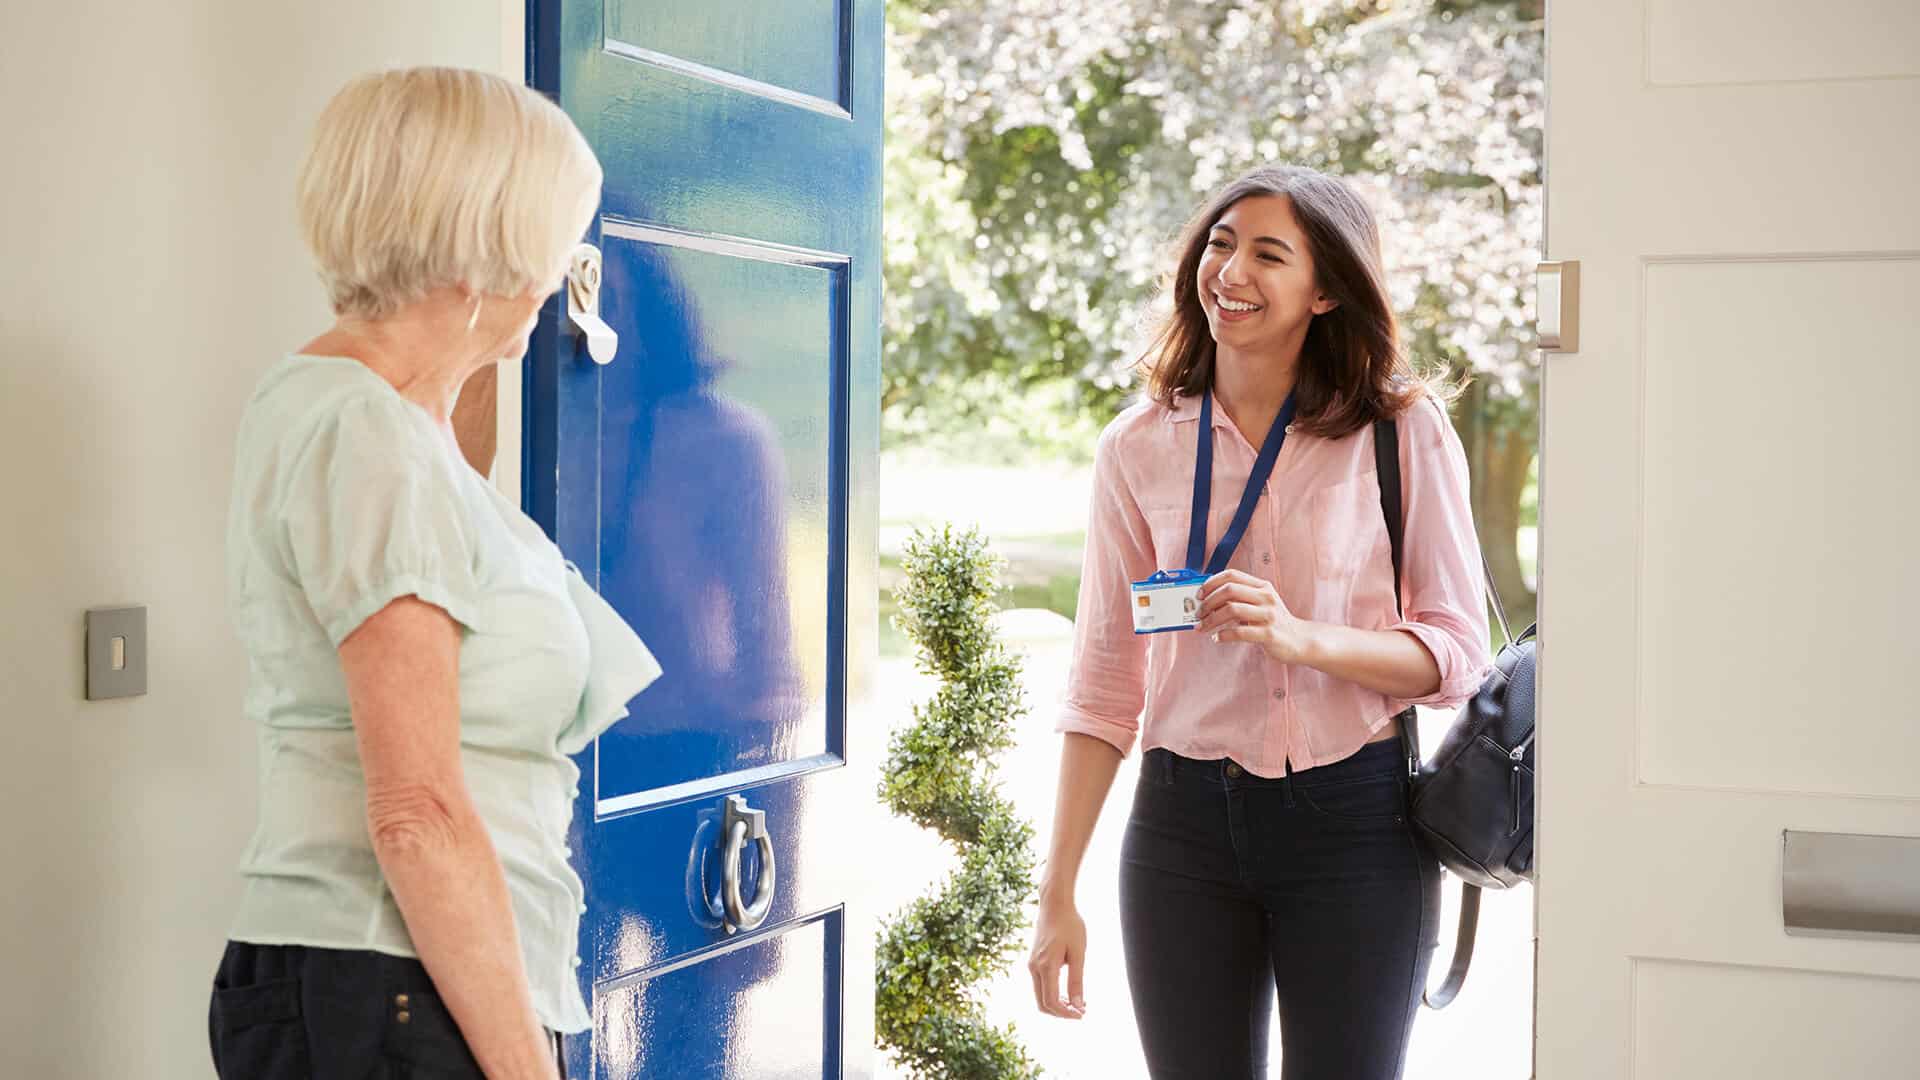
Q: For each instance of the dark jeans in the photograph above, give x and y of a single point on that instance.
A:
(1313, 888)
(288, 1012)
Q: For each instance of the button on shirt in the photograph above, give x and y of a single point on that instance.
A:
(1318, 535)
(346, 497)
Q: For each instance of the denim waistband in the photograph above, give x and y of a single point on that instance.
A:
(1374, 760)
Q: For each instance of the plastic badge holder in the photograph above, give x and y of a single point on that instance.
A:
(1169, 600)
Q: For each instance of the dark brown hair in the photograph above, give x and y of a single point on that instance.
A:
(1352, 368)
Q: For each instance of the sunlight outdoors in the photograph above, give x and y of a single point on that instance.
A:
(1039, 159)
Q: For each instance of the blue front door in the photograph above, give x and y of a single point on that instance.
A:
(718, 480)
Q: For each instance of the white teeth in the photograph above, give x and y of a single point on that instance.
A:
(1234, 305)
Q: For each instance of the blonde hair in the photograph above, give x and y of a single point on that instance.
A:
(428, 177)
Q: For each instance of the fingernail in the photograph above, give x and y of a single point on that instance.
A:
(1216, 637)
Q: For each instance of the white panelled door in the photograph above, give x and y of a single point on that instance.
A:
(1731, 530)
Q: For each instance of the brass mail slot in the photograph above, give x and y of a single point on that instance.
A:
(1850, 885)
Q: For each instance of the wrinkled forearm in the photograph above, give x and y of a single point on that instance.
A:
(440, 864)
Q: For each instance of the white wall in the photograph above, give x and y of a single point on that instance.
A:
(149, 270)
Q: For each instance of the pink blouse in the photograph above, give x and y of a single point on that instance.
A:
(1318, 535)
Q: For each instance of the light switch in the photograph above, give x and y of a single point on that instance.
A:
(116, 653)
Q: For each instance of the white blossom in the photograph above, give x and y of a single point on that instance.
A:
(1435, 119)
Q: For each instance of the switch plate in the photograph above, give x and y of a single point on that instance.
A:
(116, 653)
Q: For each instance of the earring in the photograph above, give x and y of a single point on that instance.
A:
(473, 320)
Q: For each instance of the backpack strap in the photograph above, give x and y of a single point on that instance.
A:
(1386, 461)
(1462, 949)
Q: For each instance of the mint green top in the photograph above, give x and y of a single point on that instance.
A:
(347, 496)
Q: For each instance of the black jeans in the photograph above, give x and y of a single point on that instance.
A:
(289, 1012)
(1312, 888)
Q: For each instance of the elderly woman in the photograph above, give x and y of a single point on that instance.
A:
(422, 659)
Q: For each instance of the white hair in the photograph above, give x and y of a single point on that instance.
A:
(428, 177)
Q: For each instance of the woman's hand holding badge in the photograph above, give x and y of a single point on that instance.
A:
(1236, 606)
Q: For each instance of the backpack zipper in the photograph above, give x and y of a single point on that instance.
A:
(1513, 782)
(1520, 748)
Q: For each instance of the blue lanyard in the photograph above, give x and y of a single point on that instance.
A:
(1203, 487)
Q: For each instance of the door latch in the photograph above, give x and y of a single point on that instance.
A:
(1557, 301)
(583, 304)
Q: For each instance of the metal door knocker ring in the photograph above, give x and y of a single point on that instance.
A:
(741, 824)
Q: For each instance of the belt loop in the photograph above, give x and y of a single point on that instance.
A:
(1286, 785)
(1164, 766)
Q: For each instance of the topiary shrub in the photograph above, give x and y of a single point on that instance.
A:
(940, 774)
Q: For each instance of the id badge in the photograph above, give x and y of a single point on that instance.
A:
(1169, 600)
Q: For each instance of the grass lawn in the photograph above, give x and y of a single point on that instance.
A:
(1023, 585)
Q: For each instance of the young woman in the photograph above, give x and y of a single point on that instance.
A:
(1268, 853)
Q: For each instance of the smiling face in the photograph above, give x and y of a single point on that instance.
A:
(1271, 252)
(1256, 277)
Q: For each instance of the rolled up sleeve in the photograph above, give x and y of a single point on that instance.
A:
(1444, 595)
(1106, 686)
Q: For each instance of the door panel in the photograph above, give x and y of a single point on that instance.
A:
(1725, 497)
(795, 50)
(717, 482)
(1818, 578)
(1703, 42)
(721, 505)
(772, 1026)
(1694, 1020)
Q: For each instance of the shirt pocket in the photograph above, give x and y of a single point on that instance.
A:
(1348, 529)
(1169, 527)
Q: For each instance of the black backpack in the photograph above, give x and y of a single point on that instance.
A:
(1474, 801)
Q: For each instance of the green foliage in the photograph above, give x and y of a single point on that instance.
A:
(940, 774)
(1041, 153)
(1060, 594)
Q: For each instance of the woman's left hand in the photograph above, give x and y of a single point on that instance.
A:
(1236, 606)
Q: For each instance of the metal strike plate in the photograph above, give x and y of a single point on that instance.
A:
(116, 653)
(1850, 885)
(1557, 300)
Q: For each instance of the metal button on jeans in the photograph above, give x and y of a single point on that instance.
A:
(1233, 771)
